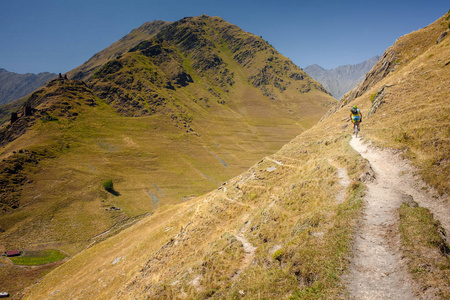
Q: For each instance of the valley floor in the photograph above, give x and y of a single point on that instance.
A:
(378, 268)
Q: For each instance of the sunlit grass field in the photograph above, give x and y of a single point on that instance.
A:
(36, 258)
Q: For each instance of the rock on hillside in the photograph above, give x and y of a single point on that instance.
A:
(14, 86)
(342, 79)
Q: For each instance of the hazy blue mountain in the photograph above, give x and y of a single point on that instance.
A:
(342, 79)
(14, 86)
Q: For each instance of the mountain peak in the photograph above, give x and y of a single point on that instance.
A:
(314, 67)
(342, 79)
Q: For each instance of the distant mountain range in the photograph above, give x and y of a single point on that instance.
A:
(342, 79)
(14, 86)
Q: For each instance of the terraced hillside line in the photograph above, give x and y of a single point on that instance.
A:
(376, 270)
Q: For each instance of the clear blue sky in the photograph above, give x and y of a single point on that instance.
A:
(57, 36)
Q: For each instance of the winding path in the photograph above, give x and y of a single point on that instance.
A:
(376, 268)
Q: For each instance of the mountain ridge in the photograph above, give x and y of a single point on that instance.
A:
(137, 35)
(14, 86)
(342, 79)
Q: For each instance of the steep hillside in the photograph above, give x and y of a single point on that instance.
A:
(342, 79)
(284, 227)
(169, 119)
(403, 53)
(277, 229)
(14, 86)
(407, 87)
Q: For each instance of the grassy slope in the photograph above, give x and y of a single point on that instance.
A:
(292, 209)
(143, 156)
(151, 159)
(414, 116)
(289, 213)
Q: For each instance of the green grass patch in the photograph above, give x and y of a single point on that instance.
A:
(37, 258)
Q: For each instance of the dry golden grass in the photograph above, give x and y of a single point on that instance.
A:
(284, 206)
(425, 247)
(414, 114)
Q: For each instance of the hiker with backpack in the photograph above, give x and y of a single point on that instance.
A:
(355, 116)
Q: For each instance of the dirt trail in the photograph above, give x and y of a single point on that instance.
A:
(376, 270)
(248, 248)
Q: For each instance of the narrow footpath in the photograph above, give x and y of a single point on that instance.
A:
(376, 270)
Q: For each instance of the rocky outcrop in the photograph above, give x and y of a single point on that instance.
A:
(109, 68)
(443, 35)
(377, 101)
(380, 70)
(13, 177)
(183, 79)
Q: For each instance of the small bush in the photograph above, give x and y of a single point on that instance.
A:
(108, 185)
(278, 254)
